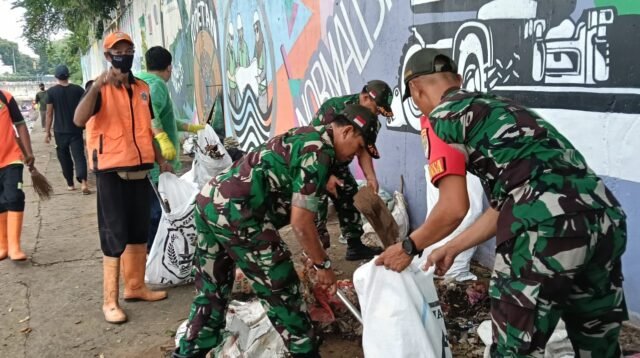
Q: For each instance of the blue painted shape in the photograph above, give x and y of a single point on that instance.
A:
(294, 87)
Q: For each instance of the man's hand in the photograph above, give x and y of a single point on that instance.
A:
(394, 258)
(332, 185)
(373, 184)
(165, 167)
(47, 138)
(327, 280)
(29, 160)
(442, 258)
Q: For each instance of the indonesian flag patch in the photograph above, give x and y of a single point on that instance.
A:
(360, 121)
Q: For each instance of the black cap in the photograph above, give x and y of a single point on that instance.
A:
(62, 72)
(368, 125)
(423, 62)
(381, 94)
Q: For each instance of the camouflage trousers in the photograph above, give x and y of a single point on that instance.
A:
(348, 216)
(266, 261)
(567, 267)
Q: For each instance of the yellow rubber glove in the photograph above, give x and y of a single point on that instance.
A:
(166, 147)
(195, 128)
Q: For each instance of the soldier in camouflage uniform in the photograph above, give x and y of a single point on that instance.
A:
(376, 96)
(560, 233)
(238, 214)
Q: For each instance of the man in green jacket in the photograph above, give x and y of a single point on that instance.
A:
(165, 126)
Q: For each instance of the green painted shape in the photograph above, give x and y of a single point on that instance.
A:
(294, 87)
(623, 7)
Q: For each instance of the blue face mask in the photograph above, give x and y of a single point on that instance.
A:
(122, 62)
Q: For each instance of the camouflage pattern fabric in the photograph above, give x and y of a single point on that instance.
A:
(348, 216)
(238, 214)
(566, 267)
(560, 232)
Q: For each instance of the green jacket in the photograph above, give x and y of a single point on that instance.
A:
(163, 117)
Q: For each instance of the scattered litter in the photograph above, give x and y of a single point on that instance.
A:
(26, 330)
(24, 319)
(77, 322)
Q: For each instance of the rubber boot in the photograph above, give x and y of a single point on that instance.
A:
(111, 271)
(134, 261)
(14, 233)
(3, 236)
(357, 251)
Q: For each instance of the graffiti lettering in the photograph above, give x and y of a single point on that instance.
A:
(202, 19)
(346, 49)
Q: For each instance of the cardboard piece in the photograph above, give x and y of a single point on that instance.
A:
(378, 215)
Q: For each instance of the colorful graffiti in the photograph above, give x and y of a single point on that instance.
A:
(275, 62)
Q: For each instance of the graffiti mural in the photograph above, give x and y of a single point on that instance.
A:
(250, 68)
(520, 47)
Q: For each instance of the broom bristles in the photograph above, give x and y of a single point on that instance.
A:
(41, 185)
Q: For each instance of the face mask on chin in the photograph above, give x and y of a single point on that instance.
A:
(122, 62)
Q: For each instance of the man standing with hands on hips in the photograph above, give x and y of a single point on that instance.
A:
(560, 233)
(117, 112)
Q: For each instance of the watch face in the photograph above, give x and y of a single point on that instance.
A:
(326, 264)
(407, 246)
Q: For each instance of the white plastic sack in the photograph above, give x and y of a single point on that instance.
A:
(205, 167)
(401, 313)
(171, 255)
(460, 268)
(558, 346)
(249, 333)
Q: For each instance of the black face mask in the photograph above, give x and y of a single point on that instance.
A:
(122, 62)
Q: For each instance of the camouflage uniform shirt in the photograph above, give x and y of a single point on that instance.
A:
(289, 169)
(336, 105)
(529, 171)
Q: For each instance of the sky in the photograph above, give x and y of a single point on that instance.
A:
(12, 22)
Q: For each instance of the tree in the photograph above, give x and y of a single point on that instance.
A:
(25, 65)
(83, 18)
(64, 52)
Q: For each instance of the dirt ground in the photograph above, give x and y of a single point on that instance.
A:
(50, 305)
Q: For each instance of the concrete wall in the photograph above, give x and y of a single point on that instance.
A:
(25, 91)
(278, 60)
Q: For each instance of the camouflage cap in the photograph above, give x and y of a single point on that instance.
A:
(367, 123)
(381, 94)
(423, 62)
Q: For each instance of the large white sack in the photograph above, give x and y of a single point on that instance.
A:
(460, 268)
(171, 256)
(205, 167)
(401, 313)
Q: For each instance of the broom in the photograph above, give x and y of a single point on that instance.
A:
(41, 185)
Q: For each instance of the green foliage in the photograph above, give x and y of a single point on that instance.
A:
(83, 18)
(25, 65)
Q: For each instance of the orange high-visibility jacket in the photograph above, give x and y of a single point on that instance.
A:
(9, 149)
(119, 135)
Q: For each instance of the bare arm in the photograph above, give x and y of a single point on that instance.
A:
(49, 122)
(366, 163)
(480, 231)
(25, 139)
(302, 223)
(447, 214)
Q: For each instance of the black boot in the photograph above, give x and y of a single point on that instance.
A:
(357, 251)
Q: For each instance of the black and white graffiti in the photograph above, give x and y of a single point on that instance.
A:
(570, 59)
(248, 74)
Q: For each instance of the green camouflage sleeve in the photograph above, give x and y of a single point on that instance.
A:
(310, 173)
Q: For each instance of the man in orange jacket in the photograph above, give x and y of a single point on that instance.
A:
(117, 113)
(11, 167)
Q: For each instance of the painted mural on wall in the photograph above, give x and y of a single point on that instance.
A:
(546, 54)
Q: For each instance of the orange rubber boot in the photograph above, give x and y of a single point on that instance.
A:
(14, 233)
(110, 289)
(134, 261)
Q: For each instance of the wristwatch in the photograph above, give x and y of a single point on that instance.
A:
(410, 248)
(324, 265)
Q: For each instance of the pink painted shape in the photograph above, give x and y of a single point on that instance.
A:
(326, 11)
(292, 19)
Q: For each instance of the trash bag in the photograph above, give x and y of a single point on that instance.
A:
(401, 313)
(171, 257)
(461, 265)
(210, 156)
(248, 333)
